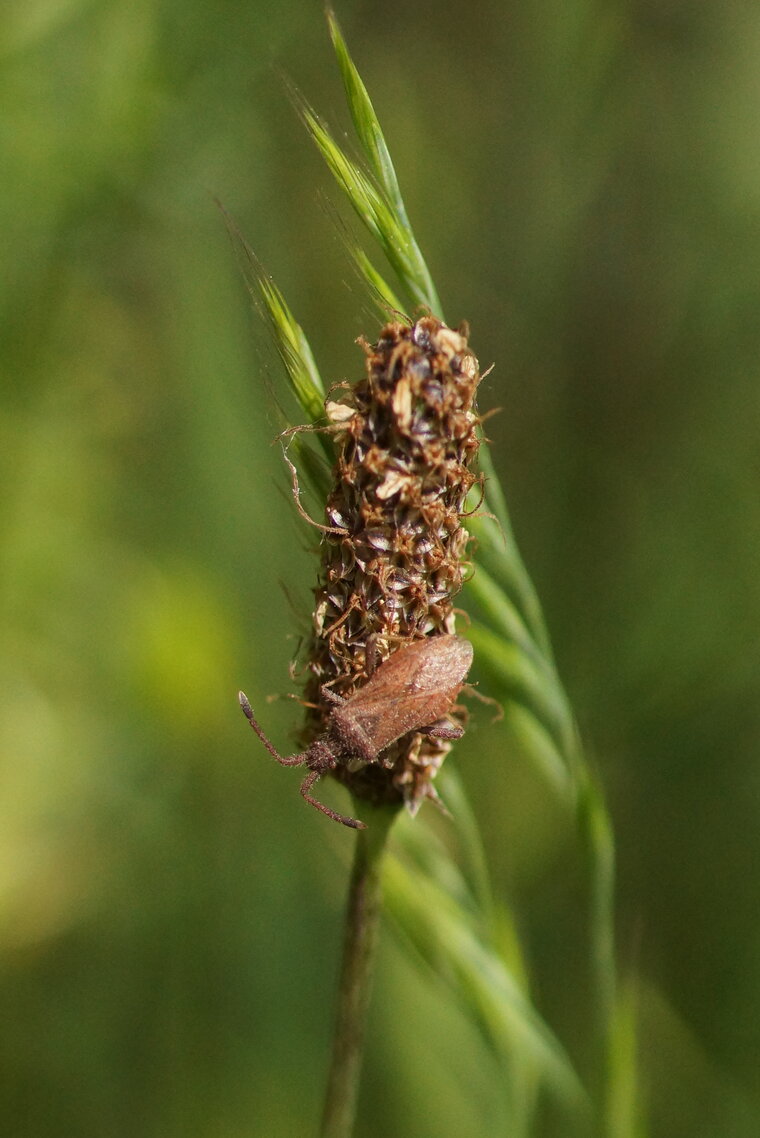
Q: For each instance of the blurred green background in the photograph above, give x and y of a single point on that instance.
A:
(584, 178)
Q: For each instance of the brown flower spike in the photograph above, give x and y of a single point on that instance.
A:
(392, 562)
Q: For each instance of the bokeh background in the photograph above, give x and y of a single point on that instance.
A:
(584, 178)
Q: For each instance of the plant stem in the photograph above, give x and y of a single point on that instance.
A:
(360, 939)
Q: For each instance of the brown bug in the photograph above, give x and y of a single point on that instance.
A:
(411, 691)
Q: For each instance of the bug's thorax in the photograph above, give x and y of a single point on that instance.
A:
(349, 736)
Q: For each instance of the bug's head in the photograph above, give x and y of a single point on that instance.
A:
(321, 756)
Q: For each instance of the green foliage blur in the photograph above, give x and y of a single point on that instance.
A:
(584, 180)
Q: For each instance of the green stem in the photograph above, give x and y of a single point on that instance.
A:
(596, 829)
(360, 939)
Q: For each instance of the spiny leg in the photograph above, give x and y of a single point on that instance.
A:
(306, 786)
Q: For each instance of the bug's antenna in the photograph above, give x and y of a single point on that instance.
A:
(293, 761)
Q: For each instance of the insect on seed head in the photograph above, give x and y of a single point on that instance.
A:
(412, 691)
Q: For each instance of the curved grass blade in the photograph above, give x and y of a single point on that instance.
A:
(436, 915)
(498, 552)
(382, 293)
(375, 148)
(289, 339)
(373, 209)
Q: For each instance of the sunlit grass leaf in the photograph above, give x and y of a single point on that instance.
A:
(498, 553)
(431, 905)
(415, 274)
(497, 609)
(515, 675)
(365, 120)
(294, 349)
(624, 1114)
(287, 334)
(374, 211)
(472, 854)
(384, 296)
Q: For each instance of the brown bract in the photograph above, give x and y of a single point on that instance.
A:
(406, 437)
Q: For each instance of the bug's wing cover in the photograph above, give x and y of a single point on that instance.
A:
(413, 688)
(441, 662)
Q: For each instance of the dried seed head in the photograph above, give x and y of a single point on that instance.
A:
(406, 436)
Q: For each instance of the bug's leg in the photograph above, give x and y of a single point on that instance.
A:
(442, 729)
(332, 696)
(293, 761)
(306, 786)
(470, 689)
